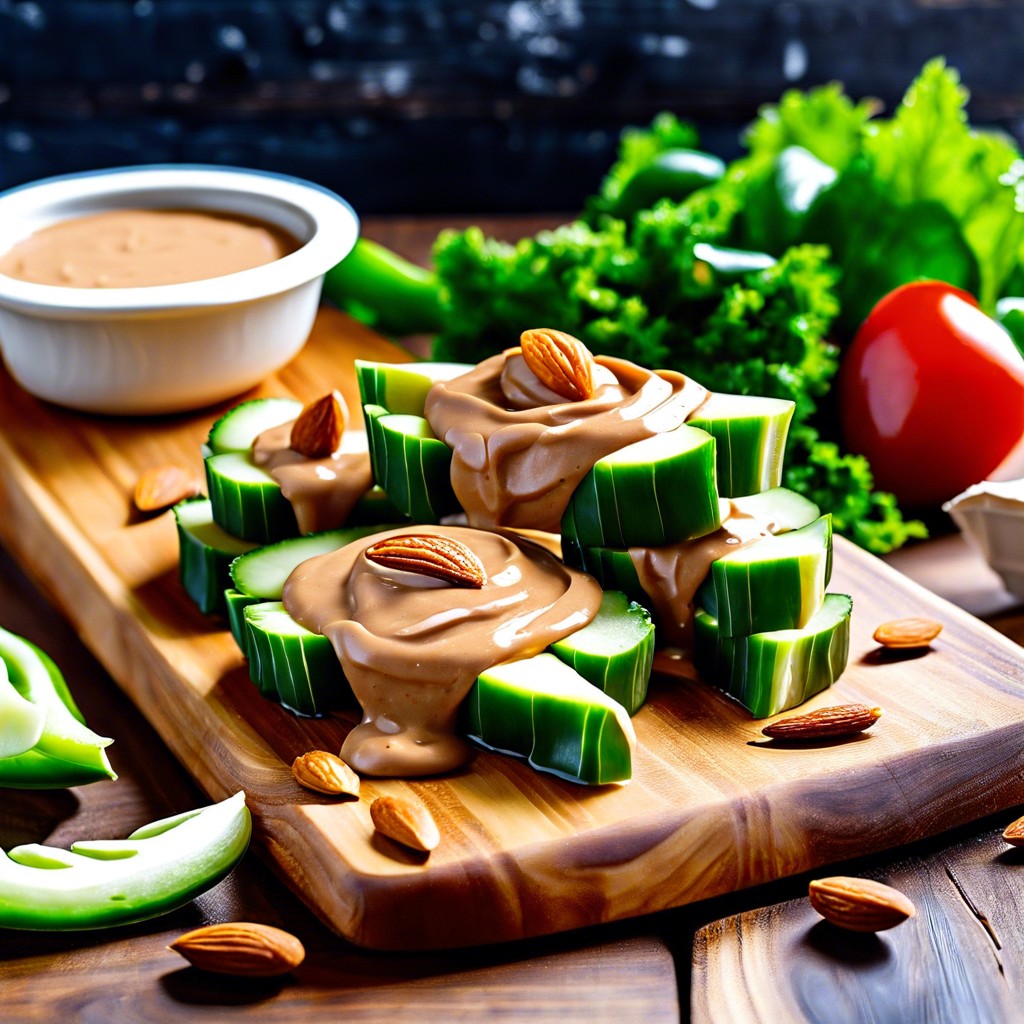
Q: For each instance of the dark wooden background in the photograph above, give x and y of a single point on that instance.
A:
(452, 105)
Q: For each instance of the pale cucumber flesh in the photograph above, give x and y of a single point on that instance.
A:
(236, 430)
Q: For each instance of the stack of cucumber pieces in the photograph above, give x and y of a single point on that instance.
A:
(763, 628)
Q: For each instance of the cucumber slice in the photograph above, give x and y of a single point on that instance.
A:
(64, 735)
(291, 665)
(615, 651)
(780, 509)
(235, 603)
(750, 435)
(261, 573)
(613, 568)
(411, 465)
(247, 501)
(777, 583)
(22, 720)
(373, 507)
(770, 672)
(657, 491)
(402, 387)
(236, 430)
(205, 553)
(541, 709)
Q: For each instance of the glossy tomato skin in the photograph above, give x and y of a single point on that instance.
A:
(932, 392)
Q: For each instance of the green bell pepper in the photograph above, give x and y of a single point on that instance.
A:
(99, 883)
(65, 751)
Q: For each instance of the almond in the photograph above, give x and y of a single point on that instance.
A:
(1014, 832)
(324, 772)
(560, 362)
(859, 904)
(317, 432)
(907, 633)
(163, 486)
(442, 558)
(839, 720)
(240, 947)
(406, 822)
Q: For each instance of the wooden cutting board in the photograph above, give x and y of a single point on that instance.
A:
(711, 807)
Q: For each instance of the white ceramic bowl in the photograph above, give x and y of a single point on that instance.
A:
(177, 346)
(991, 516)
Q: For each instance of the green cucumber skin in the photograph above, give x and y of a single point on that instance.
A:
(402, 387)
(624, 676)
(613, 568)
(577, 741)
(204, 572)
(772, 672)
(235, 603)
(623, 506)
(255, 512)
(301, 673)
(414, 472)
(749, 450)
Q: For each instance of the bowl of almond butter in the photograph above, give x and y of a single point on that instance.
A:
(148, 290)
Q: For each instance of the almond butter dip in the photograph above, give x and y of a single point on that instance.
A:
(412, 646)
(520, 450)
(324, 491)
(139, 248)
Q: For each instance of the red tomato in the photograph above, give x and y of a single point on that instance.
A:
(932, 392)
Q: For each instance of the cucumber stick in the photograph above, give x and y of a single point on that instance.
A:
(777, 583)
(657, 491)
(541, 709)
(750, 435)
(615, 651)
(291, 665)
(205, 553)
(261, 573)
(410, 464)
(236, 430)
(246, 500)
(772, 671)
(402, 387)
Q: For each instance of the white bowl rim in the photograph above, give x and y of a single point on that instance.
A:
(336, 228)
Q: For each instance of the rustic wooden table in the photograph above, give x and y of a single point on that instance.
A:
(757, 955)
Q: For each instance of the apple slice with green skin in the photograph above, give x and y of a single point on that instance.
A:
(773, 671)
(541, 709)
(615, 651)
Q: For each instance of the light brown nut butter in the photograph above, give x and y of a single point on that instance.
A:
(839, 720)
(324, 772)
(859, 904)
(163, 486)
(405, 821)
(241, 948)
(907, 633)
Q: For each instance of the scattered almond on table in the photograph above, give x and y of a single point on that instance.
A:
(324, 772)
(1014, 832)
(905, 634)
(859, 904)
(405, 821)
(241, 948)
(163, 486)
(839, 720)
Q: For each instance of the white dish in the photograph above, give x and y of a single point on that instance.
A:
(991, 516)
(170, 347)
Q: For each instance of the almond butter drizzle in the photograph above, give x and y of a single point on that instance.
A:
(412, 646)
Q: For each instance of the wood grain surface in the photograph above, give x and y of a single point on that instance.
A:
(711, 809)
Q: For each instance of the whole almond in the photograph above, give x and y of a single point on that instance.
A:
(859, 904)
(406, 822)
(427, 554)
(560, 362)
(317, 431)
(1014, 832)
(907, 633)
(324, 772)
(241, 948)
(839, 720)
(163, 486)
